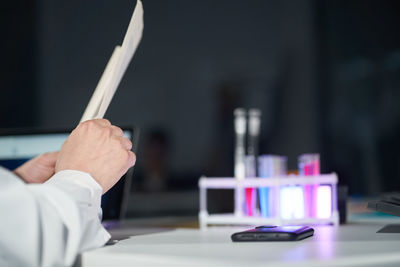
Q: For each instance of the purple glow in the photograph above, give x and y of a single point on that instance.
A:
(292, 202)
(324, 197)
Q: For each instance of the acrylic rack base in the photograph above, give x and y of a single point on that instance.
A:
(239, 217)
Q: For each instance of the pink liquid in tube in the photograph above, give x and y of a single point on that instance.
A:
(250, 193)
(309, 165)
(251, 196)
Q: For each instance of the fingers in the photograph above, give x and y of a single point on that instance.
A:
(106, 124)
(117, 131)
(103, 122)
(131, 159)
(92, 124)
(125, 142)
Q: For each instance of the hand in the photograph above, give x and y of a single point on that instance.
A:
(98, 148)
(38, 169)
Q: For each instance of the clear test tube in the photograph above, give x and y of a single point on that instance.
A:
(254, 122)
(239, 157)
(253, 133)
(240, 149)
(270, 166)
(309, 164)
(291, 202)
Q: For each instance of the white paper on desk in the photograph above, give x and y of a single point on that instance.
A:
(116, 67)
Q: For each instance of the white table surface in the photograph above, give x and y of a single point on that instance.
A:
(353, 244)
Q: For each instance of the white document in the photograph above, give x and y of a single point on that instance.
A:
(116, 67)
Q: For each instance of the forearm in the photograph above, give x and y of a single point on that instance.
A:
(88, 200)
(49, 224)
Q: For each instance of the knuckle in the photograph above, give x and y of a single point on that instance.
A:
(131, 158)
(108, 131)
(117, 130)
(87, 125)
(128, 143)
(115, 143)
(105, 121)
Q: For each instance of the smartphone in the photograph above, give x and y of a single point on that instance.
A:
(273, 233)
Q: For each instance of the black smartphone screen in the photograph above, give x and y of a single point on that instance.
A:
(273, 233)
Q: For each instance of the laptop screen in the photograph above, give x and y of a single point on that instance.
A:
(19, 146)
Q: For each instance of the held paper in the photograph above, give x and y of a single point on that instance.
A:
(116, 67)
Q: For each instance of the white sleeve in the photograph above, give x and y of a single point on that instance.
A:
(49, 224)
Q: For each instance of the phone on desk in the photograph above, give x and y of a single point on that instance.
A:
(273, 233)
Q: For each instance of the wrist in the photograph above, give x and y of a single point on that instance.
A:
(80, 185)
(78, 170)
(20, 173)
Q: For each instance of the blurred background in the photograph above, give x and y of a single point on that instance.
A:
(326, 75)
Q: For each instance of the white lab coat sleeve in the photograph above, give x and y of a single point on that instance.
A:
(49, 224)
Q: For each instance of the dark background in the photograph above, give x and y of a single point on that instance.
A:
(326, 75)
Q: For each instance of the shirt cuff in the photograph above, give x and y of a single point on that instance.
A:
(81, 186)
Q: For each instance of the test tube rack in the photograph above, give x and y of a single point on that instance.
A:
(239, 185)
